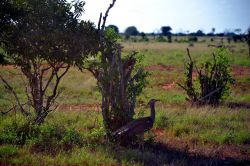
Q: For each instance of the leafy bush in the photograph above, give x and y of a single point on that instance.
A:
(17, 133)
(193, 39)
(214, 79)
(54, 137)
(161, 39)
(44, 138)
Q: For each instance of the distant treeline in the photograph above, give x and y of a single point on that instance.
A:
(236, 34)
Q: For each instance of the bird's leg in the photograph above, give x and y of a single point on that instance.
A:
(141, 141)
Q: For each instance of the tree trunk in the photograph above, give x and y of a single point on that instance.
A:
(249, 50)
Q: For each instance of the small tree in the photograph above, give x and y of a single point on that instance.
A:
(131, 31)
(213, 31)
(248, 40)
(114, 27)
(200, 33)
(44, 43)
(213, 78)
(166, 31)
(143, 35)
(119, 78)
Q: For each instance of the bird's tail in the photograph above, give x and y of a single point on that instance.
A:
(116, 135)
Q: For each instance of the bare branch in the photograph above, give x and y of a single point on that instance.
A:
(99, 22)
(12, 108)
(191, 60)
(210, 94)
(106, 14)
(49, 80)
(54, 93)
(7, 85)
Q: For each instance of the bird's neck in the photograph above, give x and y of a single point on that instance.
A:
(152, 110)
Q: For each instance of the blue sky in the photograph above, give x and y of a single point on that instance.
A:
(181, 15)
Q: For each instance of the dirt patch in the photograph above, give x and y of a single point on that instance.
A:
(160, 67)
(168, 86)
(238, 105)
(80, 107)
(241, 71)
(194, 148)
(7, 67)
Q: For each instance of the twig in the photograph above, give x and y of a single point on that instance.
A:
(191, 60)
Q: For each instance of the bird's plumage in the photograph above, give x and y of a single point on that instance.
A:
(138, 126)
(135, 127)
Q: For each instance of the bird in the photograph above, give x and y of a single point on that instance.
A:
(137, 127)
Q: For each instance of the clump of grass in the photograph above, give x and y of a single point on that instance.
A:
(207, 124)
(65, 132)
(7, 151)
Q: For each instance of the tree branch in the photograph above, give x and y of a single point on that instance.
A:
(106, 14)
(7, 85)
(54, 93)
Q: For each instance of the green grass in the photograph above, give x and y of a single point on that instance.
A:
(206, 124)
(78, 137)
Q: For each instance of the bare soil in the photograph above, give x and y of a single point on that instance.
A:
(195, 148)
(80, 107)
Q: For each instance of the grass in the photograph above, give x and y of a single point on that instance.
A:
(206, 124)
(78, 138)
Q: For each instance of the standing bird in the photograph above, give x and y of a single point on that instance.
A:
(137, 126)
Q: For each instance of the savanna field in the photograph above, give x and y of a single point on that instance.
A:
(183, 134)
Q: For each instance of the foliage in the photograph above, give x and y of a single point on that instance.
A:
(144, 37)
(214, 79)
(8, 13)
(166, 30)
(119, 79)
(193, 39)
(248, 40)
(200, 33)
(160, 39)
(47, 137)
(8, 151)
(132, 31)
(46, 40)
(114, 27)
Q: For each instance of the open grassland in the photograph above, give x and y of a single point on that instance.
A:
(182, 134)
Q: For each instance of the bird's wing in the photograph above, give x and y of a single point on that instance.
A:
(138, 125)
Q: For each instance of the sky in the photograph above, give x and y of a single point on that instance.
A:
(181, 15)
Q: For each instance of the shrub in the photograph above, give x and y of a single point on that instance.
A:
(214, 79)
(161, 39)
(54, 137)
(193, 39)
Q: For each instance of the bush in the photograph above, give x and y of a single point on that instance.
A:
(161, 39)
(53, 138)
(214, 79)
(193, 39)
(17, 133)
(44, 138)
